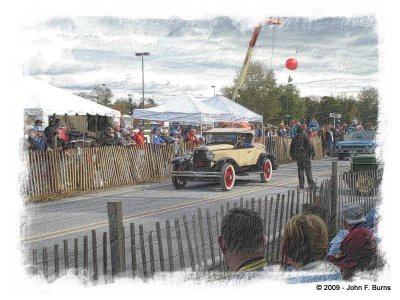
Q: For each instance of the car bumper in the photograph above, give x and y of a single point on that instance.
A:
(194, 174)
(354, 151)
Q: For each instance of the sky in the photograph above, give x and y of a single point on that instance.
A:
(336, 55)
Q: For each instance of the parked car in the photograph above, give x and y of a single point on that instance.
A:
(358, 142)
(365, 174)
(227, 153)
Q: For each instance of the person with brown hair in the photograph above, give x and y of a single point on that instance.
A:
(242, 240)
(304, 248)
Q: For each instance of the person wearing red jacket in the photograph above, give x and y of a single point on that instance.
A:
(139, 137)
(192, 138)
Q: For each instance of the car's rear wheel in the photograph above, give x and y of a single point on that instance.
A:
(178, 182)
(266, 174)
(228, 177)
(340, 156)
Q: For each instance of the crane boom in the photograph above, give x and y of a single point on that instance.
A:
(249, 54)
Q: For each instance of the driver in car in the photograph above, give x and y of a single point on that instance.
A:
(244, 141)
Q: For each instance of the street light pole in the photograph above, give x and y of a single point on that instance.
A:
(130, 104)
(213, 86)
(142, 54)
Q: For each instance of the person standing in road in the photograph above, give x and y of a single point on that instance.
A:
(302, 151)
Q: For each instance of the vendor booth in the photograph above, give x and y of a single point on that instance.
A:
(81, 117)
(183, 108)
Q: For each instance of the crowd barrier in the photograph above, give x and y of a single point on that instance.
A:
(190, 242)
(58, 173)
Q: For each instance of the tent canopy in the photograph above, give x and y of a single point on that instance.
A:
(49, 100)
(239, 113)
(182, 108)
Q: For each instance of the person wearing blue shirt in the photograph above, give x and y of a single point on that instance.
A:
(38, 142)
(156, 138)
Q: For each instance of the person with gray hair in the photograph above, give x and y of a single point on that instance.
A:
(242, 240)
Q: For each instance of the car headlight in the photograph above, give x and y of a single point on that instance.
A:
(188, 155)
(210, 155)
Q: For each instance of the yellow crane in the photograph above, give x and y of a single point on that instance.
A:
(249, 54)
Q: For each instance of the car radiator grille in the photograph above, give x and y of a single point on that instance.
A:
(200, 161)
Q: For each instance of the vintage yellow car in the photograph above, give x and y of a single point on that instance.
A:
(227, 153)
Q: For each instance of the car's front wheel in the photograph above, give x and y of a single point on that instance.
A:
(178, 182)
(228, 177)
(266, 174)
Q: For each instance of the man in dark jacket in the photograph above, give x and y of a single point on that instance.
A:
(302, 150)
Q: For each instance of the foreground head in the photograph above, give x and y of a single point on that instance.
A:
(242, 236)
(305, 240)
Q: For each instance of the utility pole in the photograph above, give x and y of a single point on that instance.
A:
(142, 54)
(213, 86)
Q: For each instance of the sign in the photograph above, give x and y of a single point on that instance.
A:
(335, 115)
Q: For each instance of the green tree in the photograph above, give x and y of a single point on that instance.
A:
(122, 105)
(259, 92)
(368, 106)
(100, 94)
(290, 100)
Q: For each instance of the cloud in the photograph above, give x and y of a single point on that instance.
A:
(194, 54)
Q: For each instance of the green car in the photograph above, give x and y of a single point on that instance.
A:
(365, 174)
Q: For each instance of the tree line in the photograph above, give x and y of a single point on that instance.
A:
(261, 93)
(104, 96)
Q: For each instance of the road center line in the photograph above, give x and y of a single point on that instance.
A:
(155, 212)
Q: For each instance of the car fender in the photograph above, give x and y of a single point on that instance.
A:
(177, 160)
(218, 165)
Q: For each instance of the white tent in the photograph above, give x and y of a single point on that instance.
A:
(183, 108)
(42, 99)
(239, 113)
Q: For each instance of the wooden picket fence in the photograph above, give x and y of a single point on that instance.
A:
(190, 243)
(59, 173)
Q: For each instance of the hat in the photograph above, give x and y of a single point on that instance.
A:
(174, 132)
(353, 213)
(141, 128)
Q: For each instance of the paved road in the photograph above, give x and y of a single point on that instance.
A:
(46, 224)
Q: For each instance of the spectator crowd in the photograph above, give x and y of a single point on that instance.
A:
(307, 254)
(329, 134)
(55, 137)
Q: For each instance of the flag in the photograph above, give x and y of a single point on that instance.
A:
(290, 79)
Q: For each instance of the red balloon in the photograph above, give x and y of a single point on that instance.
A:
(291, 63)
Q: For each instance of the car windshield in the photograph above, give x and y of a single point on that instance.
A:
(362, 136)
(221, 138)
